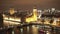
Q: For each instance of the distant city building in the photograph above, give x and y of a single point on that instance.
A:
(39, 13)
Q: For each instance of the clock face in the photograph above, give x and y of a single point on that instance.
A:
(11, 11)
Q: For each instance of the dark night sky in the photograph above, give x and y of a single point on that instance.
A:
(28, 4)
